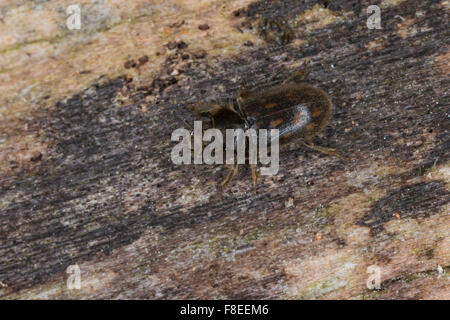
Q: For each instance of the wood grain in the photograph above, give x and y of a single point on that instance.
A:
(105, 195)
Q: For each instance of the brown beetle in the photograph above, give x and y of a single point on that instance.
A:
(298, 110)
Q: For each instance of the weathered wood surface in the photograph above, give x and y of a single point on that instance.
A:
(94, 184)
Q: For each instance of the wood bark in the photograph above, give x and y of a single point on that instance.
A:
(107, 197)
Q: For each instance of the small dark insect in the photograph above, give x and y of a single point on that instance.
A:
(298, 110)
(143, 60)
(203, 27)
(130, 64)
(275, 30)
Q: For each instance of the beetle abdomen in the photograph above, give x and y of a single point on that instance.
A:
(289, 121)
(295, 109)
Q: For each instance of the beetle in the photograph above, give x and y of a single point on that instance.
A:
(297, 109)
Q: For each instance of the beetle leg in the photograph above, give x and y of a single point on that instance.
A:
(230, 175)
(242, 92)
(255, 174)
(329, 151)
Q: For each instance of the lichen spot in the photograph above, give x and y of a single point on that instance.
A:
(276, 123)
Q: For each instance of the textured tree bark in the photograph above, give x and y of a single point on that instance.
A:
(106, 196)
